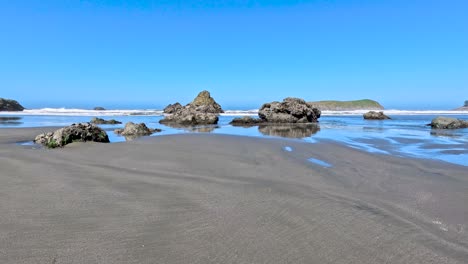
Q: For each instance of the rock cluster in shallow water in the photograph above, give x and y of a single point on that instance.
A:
(203, 110)
(100, 121)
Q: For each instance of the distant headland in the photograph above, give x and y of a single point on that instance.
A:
(463, 108)
(364, 104)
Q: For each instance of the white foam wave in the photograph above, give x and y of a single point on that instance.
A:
(85, 112)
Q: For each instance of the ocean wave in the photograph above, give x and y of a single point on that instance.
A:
(86, 112)
(252, 112)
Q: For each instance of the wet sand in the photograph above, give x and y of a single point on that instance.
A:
(201, 198)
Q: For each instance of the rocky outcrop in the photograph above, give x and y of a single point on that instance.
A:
(81, 132)
(205, 103)
(132, 129)
(291, 110)
(463, 108)
(99, 108)
(10, 105)
(100, 121)
(172, 108)
(245, 121)
(448, 123)
(373, 115)
(203, 110)
(190, 116)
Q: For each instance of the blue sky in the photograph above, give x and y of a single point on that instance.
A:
(124, 54)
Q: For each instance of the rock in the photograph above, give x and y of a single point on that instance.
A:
(245, 121)
(448, 123)
(205, 103)
(190, 116)
(81, 132)
(10, 105)
(291, 110)
(172, 108)
(99, 108)
(100, 121)
(373, 115)
(289, 130)
(203, 110)
(132, 129)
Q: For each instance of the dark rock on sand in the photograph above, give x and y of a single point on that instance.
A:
(203, 110)
(99, 108)
(81, 132)
(448, 123)
(100, 121)
(10, 105)
(245, 121)
(291, 110)
(373, 115)
(289, 130)
(132, 129)
(172, 108)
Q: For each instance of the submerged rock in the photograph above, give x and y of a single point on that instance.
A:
(291, 110)
(245, 121)
(10, 105)
(81, 132)
(100, 121)
(99, 108)
(132, 129)
(172, 108)
(373, 115)
(448, 123)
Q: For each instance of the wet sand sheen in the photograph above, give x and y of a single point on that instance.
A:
(226, 199)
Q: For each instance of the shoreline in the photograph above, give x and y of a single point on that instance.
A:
(211, 198)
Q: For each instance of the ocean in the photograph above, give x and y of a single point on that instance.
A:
(406, 134)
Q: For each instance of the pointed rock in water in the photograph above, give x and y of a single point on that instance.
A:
(448, 123)
(291, 110)
(203, 110)
(205, 103)
(100, 121)
(373, 115)
(172, 108)
(81, 132)
(10, 105)
(132, 129)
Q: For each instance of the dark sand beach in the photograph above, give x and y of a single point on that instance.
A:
(201, 198)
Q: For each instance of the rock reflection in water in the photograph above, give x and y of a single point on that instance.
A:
(10, 120)
(289, 130)
(445, 133)
(199, 129)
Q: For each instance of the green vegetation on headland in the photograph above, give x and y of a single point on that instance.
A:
(364, 104)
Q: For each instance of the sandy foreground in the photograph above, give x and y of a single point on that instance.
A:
(203, 198)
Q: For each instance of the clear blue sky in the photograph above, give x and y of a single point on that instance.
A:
(403, 53)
